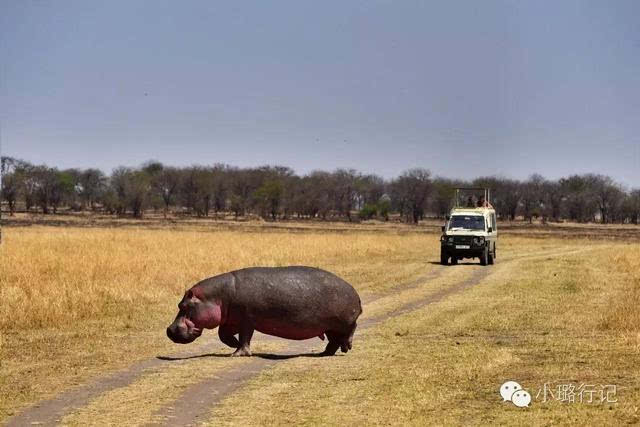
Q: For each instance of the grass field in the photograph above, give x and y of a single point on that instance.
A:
(544, 322)
(81, 301)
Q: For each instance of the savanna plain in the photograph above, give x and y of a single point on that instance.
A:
(80, 300)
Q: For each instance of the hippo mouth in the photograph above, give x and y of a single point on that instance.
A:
(192, 331)
(184, 333)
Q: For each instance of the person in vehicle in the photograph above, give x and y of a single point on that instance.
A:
(482, 203)
(470, 203)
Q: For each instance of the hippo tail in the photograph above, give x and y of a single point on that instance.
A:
(357, 312)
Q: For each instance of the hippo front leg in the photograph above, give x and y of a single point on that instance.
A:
(246, 332)
(226, 334)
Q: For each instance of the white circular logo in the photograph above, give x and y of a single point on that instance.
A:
(521, 398)
(507, 389)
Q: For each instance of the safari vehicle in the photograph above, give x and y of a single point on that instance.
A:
(471, 229)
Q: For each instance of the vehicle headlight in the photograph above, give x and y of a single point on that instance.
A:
(450, 239)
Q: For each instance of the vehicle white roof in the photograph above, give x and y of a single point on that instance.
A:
(471, 211)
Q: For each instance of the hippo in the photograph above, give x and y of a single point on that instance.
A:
(296, 303)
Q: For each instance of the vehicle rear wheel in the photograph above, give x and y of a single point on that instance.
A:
(484, 257)
(444, 258)
(490, 258)
(454, 260)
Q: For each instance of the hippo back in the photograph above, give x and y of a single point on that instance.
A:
(302, 295)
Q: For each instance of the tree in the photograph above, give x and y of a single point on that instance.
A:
(49, 187)
(198, 189)
(531, 195)
(243, 183)
(10, 190)
(152, 167)
(92, 183)
(220, 186)
(443, 195)
(42, 181)
(131, 189)
(272, 194)
(277, 192)
(607, 194)
(190, 190)
(631, 207)
(368, 211)
(317, 194)
(138, 185)
(205, 182)
(579, 199)
(73, 199)
(552, 198)
(508, 198)
(344, 190)
(10, 186)
(116, 197)
(166, 184)
(384, 206)
(370, 188)
(62, 191)
(411, 190)
(269, 196)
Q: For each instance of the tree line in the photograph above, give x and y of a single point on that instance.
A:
(276, 192)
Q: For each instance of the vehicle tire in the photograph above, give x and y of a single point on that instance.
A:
(444, 258)
(454, 260)
(490, 258)
(484, 257)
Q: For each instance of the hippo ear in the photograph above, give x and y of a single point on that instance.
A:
(189, 294)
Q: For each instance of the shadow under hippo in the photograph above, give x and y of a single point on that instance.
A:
(296, 303)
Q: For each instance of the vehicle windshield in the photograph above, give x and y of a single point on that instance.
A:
(466, 222)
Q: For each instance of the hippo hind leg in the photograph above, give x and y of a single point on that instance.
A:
(349, 342)
(339, 340)
(332, 346)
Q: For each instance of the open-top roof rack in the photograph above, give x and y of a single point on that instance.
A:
(472, 195)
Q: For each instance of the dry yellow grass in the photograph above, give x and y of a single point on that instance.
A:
(76, 301)
(555, 320)
(624, 315)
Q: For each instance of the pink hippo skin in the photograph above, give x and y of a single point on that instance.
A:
(296, 303)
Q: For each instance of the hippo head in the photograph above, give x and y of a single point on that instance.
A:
(195, 314)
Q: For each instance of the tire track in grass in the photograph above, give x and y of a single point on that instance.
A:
(51, 411)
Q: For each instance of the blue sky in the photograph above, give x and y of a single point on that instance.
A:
(463, 88)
